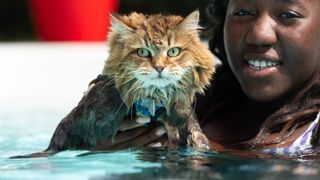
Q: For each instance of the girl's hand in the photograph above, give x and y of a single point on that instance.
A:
(132, 132)
(136, 133)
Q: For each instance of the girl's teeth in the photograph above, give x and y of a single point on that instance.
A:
(261, 64)
(269, 63)
(256, 63)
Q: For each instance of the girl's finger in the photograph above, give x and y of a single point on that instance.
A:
(143, 139)
(127, 136)
(129, 123)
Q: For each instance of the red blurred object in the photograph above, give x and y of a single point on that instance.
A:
(72, 20)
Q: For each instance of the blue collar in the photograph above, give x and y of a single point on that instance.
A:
(140, 108)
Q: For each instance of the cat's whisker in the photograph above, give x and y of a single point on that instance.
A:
(131, 114)
(107, 84)
(124, 82)
(134, 96)
(194, 105)
(117, 112)
(123, 101)
(131, 88)
(138, 95)
(128, 79)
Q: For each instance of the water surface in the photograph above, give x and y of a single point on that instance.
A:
(142, 163)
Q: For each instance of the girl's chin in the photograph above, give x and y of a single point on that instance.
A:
(262, 93)
(259, 98)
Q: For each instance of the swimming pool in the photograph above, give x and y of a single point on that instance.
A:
(140, 163)
(40, 85)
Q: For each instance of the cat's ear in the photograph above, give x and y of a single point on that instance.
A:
(120, 25)
(191, 22)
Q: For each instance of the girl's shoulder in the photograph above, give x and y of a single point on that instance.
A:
(303, 145)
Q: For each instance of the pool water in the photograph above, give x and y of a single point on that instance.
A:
(134, 163)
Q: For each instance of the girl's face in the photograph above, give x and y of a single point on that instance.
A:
(273, 46)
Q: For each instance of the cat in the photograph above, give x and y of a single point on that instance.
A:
(155, 67)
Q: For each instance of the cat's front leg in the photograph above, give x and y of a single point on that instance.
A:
(196, 137)
(176, 130)
(194, 134)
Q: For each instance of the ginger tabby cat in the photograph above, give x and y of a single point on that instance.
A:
(156, 65)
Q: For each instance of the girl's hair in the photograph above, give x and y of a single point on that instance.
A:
(212, 17)
(226, 90)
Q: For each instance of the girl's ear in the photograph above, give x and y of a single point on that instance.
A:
(120, 25)
(191, 22)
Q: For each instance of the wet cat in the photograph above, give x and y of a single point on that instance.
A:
(155, 66)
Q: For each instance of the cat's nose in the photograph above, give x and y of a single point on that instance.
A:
(159, 68)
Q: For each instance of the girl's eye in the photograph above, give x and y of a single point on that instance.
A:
(289, 15)
(143, 52)
(243, 12)
(173, 52)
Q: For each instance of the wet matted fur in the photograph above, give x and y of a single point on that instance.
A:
(155, 58)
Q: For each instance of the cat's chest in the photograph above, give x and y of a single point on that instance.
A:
(148, 108)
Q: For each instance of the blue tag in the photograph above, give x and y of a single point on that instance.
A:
(141, 109)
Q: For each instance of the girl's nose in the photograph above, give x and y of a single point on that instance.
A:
(262, 32)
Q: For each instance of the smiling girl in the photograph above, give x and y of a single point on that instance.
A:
(266, 95)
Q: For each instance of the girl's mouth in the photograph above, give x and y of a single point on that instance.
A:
(261, 64)
(261, 67)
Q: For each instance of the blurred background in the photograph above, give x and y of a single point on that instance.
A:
(50, 50)
(75, 20)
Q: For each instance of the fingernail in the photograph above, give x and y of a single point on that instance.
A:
(143, 120)
(158, 144)
(161, 131)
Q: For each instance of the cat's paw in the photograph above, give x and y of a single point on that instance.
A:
(198, 140)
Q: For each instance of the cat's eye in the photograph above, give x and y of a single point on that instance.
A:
(173, 52)
(143, 52)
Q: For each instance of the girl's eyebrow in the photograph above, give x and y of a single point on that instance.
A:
(295, 2)
(285, 1)
(290, 1)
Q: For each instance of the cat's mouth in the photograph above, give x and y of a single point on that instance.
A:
(159, 82)
(160, 77)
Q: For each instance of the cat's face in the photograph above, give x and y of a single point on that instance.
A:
(158, 61)
(158, 51)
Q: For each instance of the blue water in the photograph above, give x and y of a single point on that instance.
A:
(22, 136)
